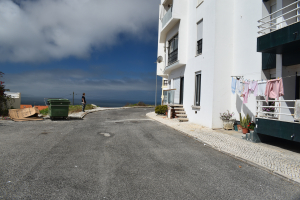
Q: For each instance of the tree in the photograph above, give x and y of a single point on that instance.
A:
(3, 97)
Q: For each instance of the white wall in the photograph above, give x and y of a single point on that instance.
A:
(246, 61)
(229, 49)
(203, 63)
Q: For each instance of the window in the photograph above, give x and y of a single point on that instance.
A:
(198, 88)
(199, 2)
(199, 37)
(297, 87)
(166, 82)
(173, 50)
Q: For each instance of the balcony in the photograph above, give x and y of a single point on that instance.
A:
(280, 31)
(170, 10)
(167, 16)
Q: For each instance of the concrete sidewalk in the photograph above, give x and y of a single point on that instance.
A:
(278, 161)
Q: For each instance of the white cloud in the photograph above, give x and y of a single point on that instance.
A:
(38, 30)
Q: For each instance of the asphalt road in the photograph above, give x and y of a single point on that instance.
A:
(122, 154)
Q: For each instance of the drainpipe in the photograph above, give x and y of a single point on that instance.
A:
(279, 75)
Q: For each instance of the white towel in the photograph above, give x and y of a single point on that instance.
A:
(261, 88)
(297, 110)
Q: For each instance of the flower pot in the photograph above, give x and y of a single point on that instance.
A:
(239, 127)
(245, 130)
(228, 124)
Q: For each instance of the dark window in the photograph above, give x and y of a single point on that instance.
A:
(173, 50)
(165, 82)
(199, 46)
(198, 89)
(297, 87)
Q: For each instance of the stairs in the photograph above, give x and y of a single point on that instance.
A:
(180, 113)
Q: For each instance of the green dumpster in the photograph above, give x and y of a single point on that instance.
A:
(58, 108)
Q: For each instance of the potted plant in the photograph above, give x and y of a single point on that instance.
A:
(251, 126)
(239, 126)
(244, 123)
(270, 110)
(227, 121)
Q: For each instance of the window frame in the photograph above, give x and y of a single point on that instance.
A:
(199, 41)
(175, 51)
(199, 2)
(166, 83)
(198, 89)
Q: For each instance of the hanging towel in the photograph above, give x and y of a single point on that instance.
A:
(246, 92)
(297, 110)
(233, 85)
(238, 87)
(261, 88)
(274, 89)
(254, 87)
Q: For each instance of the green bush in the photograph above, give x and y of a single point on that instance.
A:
(44, 111)
(161, 109)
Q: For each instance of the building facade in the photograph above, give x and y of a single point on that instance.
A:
(204, 43)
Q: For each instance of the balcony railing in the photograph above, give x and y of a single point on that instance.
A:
(173, 57)
(167, 17)
(274, 110)
(283, 17)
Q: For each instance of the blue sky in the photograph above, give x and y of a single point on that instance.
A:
(106, 49)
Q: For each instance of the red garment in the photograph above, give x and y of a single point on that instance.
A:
(274, 89)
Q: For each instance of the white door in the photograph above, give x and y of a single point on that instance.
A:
(177, 91)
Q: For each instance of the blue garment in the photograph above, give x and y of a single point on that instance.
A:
(233, 85)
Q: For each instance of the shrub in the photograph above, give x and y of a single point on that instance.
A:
(44, 111)
(161, 109)
(141, 104)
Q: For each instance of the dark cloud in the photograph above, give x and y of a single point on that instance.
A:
(38, 30)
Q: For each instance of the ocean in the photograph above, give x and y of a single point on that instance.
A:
(101, 103)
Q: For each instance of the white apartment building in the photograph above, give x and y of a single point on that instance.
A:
(14, 100)
(204, 43)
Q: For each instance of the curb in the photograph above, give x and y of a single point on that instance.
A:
(283, 176)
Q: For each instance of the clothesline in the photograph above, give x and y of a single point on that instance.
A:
(242, 77)
(269, 89)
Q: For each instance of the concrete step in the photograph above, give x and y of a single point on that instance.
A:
(180, 112)
(183, 119)
(176, 105)
(178, 108)
(181, 115)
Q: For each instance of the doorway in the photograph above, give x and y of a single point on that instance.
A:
(181, 90)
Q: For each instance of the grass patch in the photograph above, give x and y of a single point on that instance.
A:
(137, 104)
(78, 108)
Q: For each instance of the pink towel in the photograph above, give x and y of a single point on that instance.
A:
(246, 92)
(274, 89)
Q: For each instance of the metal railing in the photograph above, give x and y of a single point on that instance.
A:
(167, 17)
(172, 57)
(273, 111)
(273, 22)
